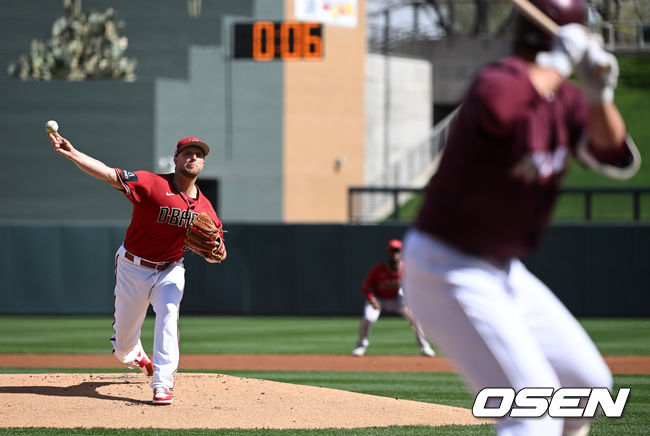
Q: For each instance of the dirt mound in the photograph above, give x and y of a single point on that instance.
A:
(203, 401)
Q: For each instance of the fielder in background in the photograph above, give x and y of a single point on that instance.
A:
(382, 289)
(149, 265)
(490, 201)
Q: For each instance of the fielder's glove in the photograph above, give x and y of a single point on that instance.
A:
(203, 237)
(598, 74)
(569, 47)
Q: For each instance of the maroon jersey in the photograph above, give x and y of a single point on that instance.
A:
(382, 282)
(160, 216)
(503, 164)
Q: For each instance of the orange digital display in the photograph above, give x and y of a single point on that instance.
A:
(284, 40)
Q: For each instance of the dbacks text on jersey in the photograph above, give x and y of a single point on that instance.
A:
(175, 216)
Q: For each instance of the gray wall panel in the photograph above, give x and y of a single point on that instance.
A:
(193, 107)
(183, 75)
(246, 146)
(110, 121)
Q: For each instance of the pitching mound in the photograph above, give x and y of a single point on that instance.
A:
(203, 401)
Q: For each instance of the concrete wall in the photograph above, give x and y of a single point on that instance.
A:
(324, 125)
(277, 129)
(400, 119)
(456, 61)
(110, 121)
(187, 85)
(237, 108)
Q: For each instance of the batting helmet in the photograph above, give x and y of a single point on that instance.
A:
(529, 39)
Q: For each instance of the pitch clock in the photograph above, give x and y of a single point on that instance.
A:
(278, 40)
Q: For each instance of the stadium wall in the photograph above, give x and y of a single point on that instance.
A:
(68, 268)
(287, 137)
(323, 124)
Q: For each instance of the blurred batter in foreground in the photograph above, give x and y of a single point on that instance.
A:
(491, 200)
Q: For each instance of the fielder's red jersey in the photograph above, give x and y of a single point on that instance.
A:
(382, 282)
(502, 168)
(160, 216)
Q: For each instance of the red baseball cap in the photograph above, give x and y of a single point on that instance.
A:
(394, 244)
(192, 140)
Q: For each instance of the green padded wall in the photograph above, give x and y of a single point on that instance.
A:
(275, 269)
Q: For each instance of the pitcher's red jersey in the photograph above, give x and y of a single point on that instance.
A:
(160, 216)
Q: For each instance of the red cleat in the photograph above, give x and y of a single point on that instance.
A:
(162, 395)
(142, 363)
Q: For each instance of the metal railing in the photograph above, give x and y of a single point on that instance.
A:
(588, 195)
(353, 213)
(412, 166)
(619, 37)
(623, 37)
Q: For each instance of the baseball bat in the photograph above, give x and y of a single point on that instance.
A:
(542, 20)
(538, 17)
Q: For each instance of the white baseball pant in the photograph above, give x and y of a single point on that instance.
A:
(393, 305)
(500, 326)
(136, 287)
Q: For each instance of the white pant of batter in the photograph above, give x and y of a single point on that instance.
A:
(501, 327)
(136, 287)
(393, 305)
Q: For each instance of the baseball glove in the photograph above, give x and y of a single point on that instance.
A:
(204, 238)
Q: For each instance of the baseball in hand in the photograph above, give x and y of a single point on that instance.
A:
(51, 126)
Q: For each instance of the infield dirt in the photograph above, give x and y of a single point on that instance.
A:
(627, 364)
(212, 400)
(203, 401)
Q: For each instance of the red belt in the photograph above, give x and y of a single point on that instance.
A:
(156, 266)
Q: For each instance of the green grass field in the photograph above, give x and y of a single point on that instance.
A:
(262, 335)
(391, 335)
